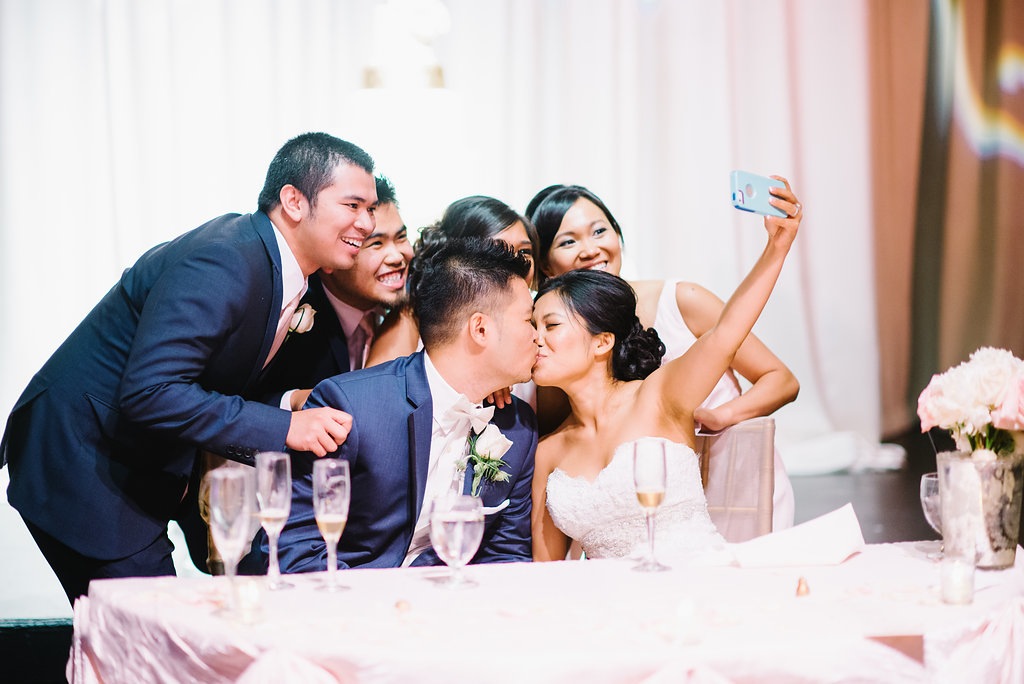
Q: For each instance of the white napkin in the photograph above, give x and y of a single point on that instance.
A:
(826, 540)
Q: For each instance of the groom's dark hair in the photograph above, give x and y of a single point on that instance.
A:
(457, 277)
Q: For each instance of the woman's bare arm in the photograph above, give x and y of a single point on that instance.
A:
(549, 542)
(685, 382)
(773, 385)
(398, 335)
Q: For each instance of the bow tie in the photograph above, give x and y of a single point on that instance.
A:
(478, 416)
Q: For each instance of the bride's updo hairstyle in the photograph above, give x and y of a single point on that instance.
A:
(607, 303)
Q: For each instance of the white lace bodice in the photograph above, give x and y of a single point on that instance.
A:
(608, 522)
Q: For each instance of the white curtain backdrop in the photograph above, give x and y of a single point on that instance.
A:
(125, 123)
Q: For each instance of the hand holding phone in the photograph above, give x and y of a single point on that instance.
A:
(750, 193)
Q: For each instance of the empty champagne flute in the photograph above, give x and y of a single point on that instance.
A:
(649, 477)
(456, 528)
(331, 495)
(230, 520)
(931, 504)
(274, 500)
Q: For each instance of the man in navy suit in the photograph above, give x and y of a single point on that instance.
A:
(102, 442)
(411, 418)
(342, 300)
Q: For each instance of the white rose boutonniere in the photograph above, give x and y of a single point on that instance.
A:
(485, 452)
(302, 319)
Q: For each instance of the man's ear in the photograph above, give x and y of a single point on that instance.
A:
(293, 202)
(480, 327)
(603, 343)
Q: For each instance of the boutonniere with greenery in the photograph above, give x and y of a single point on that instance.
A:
(485, 452)
(302, 319)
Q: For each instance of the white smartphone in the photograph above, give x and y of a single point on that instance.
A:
(750, 193)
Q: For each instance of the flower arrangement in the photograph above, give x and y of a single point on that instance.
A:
(980, 401)
(485, 452)
(302, 319)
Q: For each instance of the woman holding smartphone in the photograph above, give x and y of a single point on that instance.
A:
(577, 231)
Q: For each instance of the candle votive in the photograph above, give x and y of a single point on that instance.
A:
(250, 599)
(957, 579)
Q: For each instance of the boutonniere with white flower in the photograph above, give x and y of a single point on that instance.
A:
(485, 452)
(302, 319)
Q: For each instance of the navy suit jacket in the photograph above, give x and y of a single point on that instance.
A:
(388, 451)
(307, 358)
(103, 440)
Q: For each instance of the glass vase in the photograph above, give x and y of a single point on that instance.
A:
(981, 505)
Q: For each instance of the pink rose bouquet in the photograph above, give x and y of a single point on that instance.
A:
(980, 401)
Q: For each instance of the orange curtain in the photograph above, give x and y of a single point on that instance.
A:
(948, 167)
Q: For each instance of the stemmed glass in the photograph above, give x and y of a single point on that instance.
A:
(931, 505)
(274, 499)
(331, 494)
(649, 477)
(230, 520)
(456, 528)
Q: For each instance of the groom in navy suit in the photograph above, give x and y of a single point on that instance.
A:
(102, 442)
(411, 418)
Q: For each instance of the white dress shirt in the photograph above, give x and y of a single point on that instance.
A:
(449, 447)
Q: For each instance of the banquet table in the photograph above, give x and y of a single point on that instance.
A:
(876, 617)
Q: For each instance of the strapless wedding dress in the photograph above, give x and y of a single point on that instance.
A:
(604, 516)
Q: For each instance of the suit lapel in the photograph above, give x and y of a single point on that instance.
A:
(265, 231)
(339, 348)
(336, 339)
(421, 425)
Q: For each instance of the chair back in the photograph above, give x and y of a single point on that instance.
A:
(737, 467)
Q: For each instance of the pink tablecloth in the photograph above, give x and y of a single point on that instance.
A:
(586, 621)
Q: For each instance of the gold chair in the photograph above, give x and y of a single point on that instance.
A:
(737, 468)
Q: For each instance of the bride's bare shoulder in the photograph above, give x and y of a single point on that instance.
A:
(551, 449)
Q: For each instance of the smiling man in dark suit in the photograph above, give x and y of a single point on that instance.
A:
(102, 442)
(348, 306)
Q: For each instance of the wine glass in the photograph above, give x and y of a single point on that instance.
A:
(230, 520)
(931, 505)
(456, 528)
(274, 499)
(649, 476)
(331, 494)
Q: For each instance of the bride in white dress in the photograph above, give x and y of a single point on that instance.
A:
(575, 230)
(593, 347)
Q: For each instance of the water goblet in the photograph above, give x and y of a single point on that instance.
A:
(649, 478)
(331, 495)
(931, 505)
(274, 499)
(230, 520)
(456, 528)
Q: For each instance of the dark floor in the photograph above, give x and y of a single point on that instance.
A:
(887, 504)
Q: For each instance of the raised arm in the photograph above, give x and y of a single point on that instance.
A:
(684, 383)
(773, 385)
